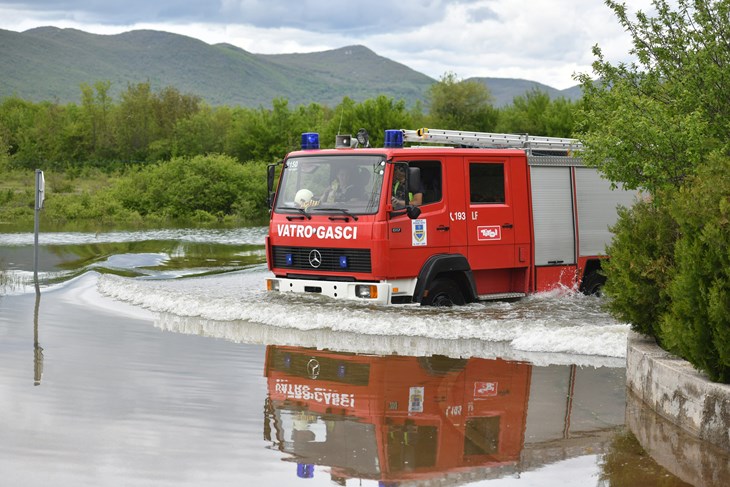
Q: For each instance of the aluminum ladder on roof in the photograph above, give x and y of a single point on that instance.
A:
(490, 140)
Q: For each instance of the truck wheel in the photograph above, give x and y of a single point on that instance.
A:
(443, 292)
(593, 283)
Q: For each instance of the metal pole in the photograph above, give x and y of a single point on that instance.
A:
(569, 402)
(35, 240)
(37, 349)
(39, 196)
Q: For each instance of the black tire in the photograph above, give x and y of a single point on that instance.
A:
(593, 283)
(443, 292)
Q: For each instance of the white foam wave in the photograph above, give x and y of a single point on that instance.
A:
(17, 282)
(234, 236)
(248, 332)
(541, 324)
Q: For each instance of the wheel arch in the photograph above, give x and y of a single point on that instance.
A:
(452, 266)
(592, 276)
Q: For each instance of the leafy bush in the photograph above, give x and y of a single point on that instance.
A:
(190, 188)
(96, 206)
(669, 273)
(697, 324)
(642, 259)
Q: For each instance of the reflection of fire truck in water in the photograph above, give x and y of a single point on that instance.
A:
(394, 418)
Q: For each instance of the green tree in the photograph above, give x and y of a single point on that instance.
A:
(641, 266)
(697, 325)
(536, 114)
(31, 132)
(135, 122)
(96, 120)
(662, 124)
(268, 134)
(375, 115)
(650, 123)
(460, 105)
(169, 107)
(204, 132)
(16, 119)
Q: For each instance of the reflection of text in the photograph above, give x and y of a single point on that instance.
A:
(453, 410)
(316, 394)
(485, 389)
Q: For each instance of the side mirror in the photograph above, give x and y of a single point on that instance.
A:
(413, 212)
(270, 178)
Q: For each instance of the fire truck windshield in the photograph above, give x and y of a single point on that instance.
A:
(343, 183)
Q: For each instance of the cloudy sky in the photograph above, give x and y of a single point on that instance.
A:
(541, 40)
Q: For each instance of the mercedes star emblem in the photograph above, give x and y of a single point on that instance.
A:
(313, 368)
(315, 258)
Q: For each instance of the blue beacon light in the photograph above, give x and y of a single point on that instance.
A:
(305, 470)
(310, 140)
(393, 138)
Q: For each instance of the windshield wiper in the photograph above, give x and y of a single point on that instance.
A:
(342, 210)
(300, 210)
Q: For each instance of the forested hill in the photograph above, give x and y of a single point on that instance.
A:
(49, 63)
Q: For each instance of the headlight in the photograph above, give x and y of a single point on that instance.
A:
(366, 291)
(272, 284)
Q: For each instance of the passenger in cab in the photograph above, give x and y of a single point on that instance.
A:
(343, 188)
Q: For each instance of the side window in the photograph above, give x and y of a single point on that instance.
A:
(486, 183)
(431, 180)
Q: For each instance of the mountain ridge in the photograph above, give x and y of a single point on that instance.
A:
(50, 63)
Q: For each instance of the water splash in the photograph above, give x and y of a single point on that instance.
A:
(236, 236)
(553, 323)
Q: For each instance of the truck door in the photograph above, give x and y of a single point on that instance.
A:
(412, 242)
(490, 215)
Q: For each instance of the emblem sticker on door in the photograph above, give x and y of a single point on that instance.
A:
(491, 232)
(415, 399)
(485, 389)
(418, 233)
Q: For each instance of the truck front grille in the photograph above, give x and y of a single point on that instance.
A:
(326, 368)
(330, 260)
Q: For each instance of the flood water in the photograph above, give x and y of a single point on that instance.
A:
(157, 358)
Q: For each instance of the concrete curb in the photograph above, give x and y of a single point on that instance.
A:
(676, 391)
(696, 462)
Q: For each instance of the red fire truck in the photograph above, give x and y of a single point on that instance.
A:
(479, 216)
(394, 418)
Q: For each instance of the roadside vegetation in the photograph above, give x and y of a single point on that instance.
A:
(166, 158)
(662, 125)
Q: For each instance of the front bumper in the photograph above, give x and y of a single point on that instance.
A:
(371, 292)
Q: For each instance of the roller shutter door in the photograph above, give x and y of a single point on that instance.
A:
(553, 215)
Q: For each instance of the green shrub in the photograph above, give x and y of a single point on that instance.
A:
(697, 325)
(95, 206)
(669, 273)
(641, 266)
(188, 188)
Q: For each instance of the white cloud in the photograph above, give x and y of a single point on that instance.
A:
(546, 41)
